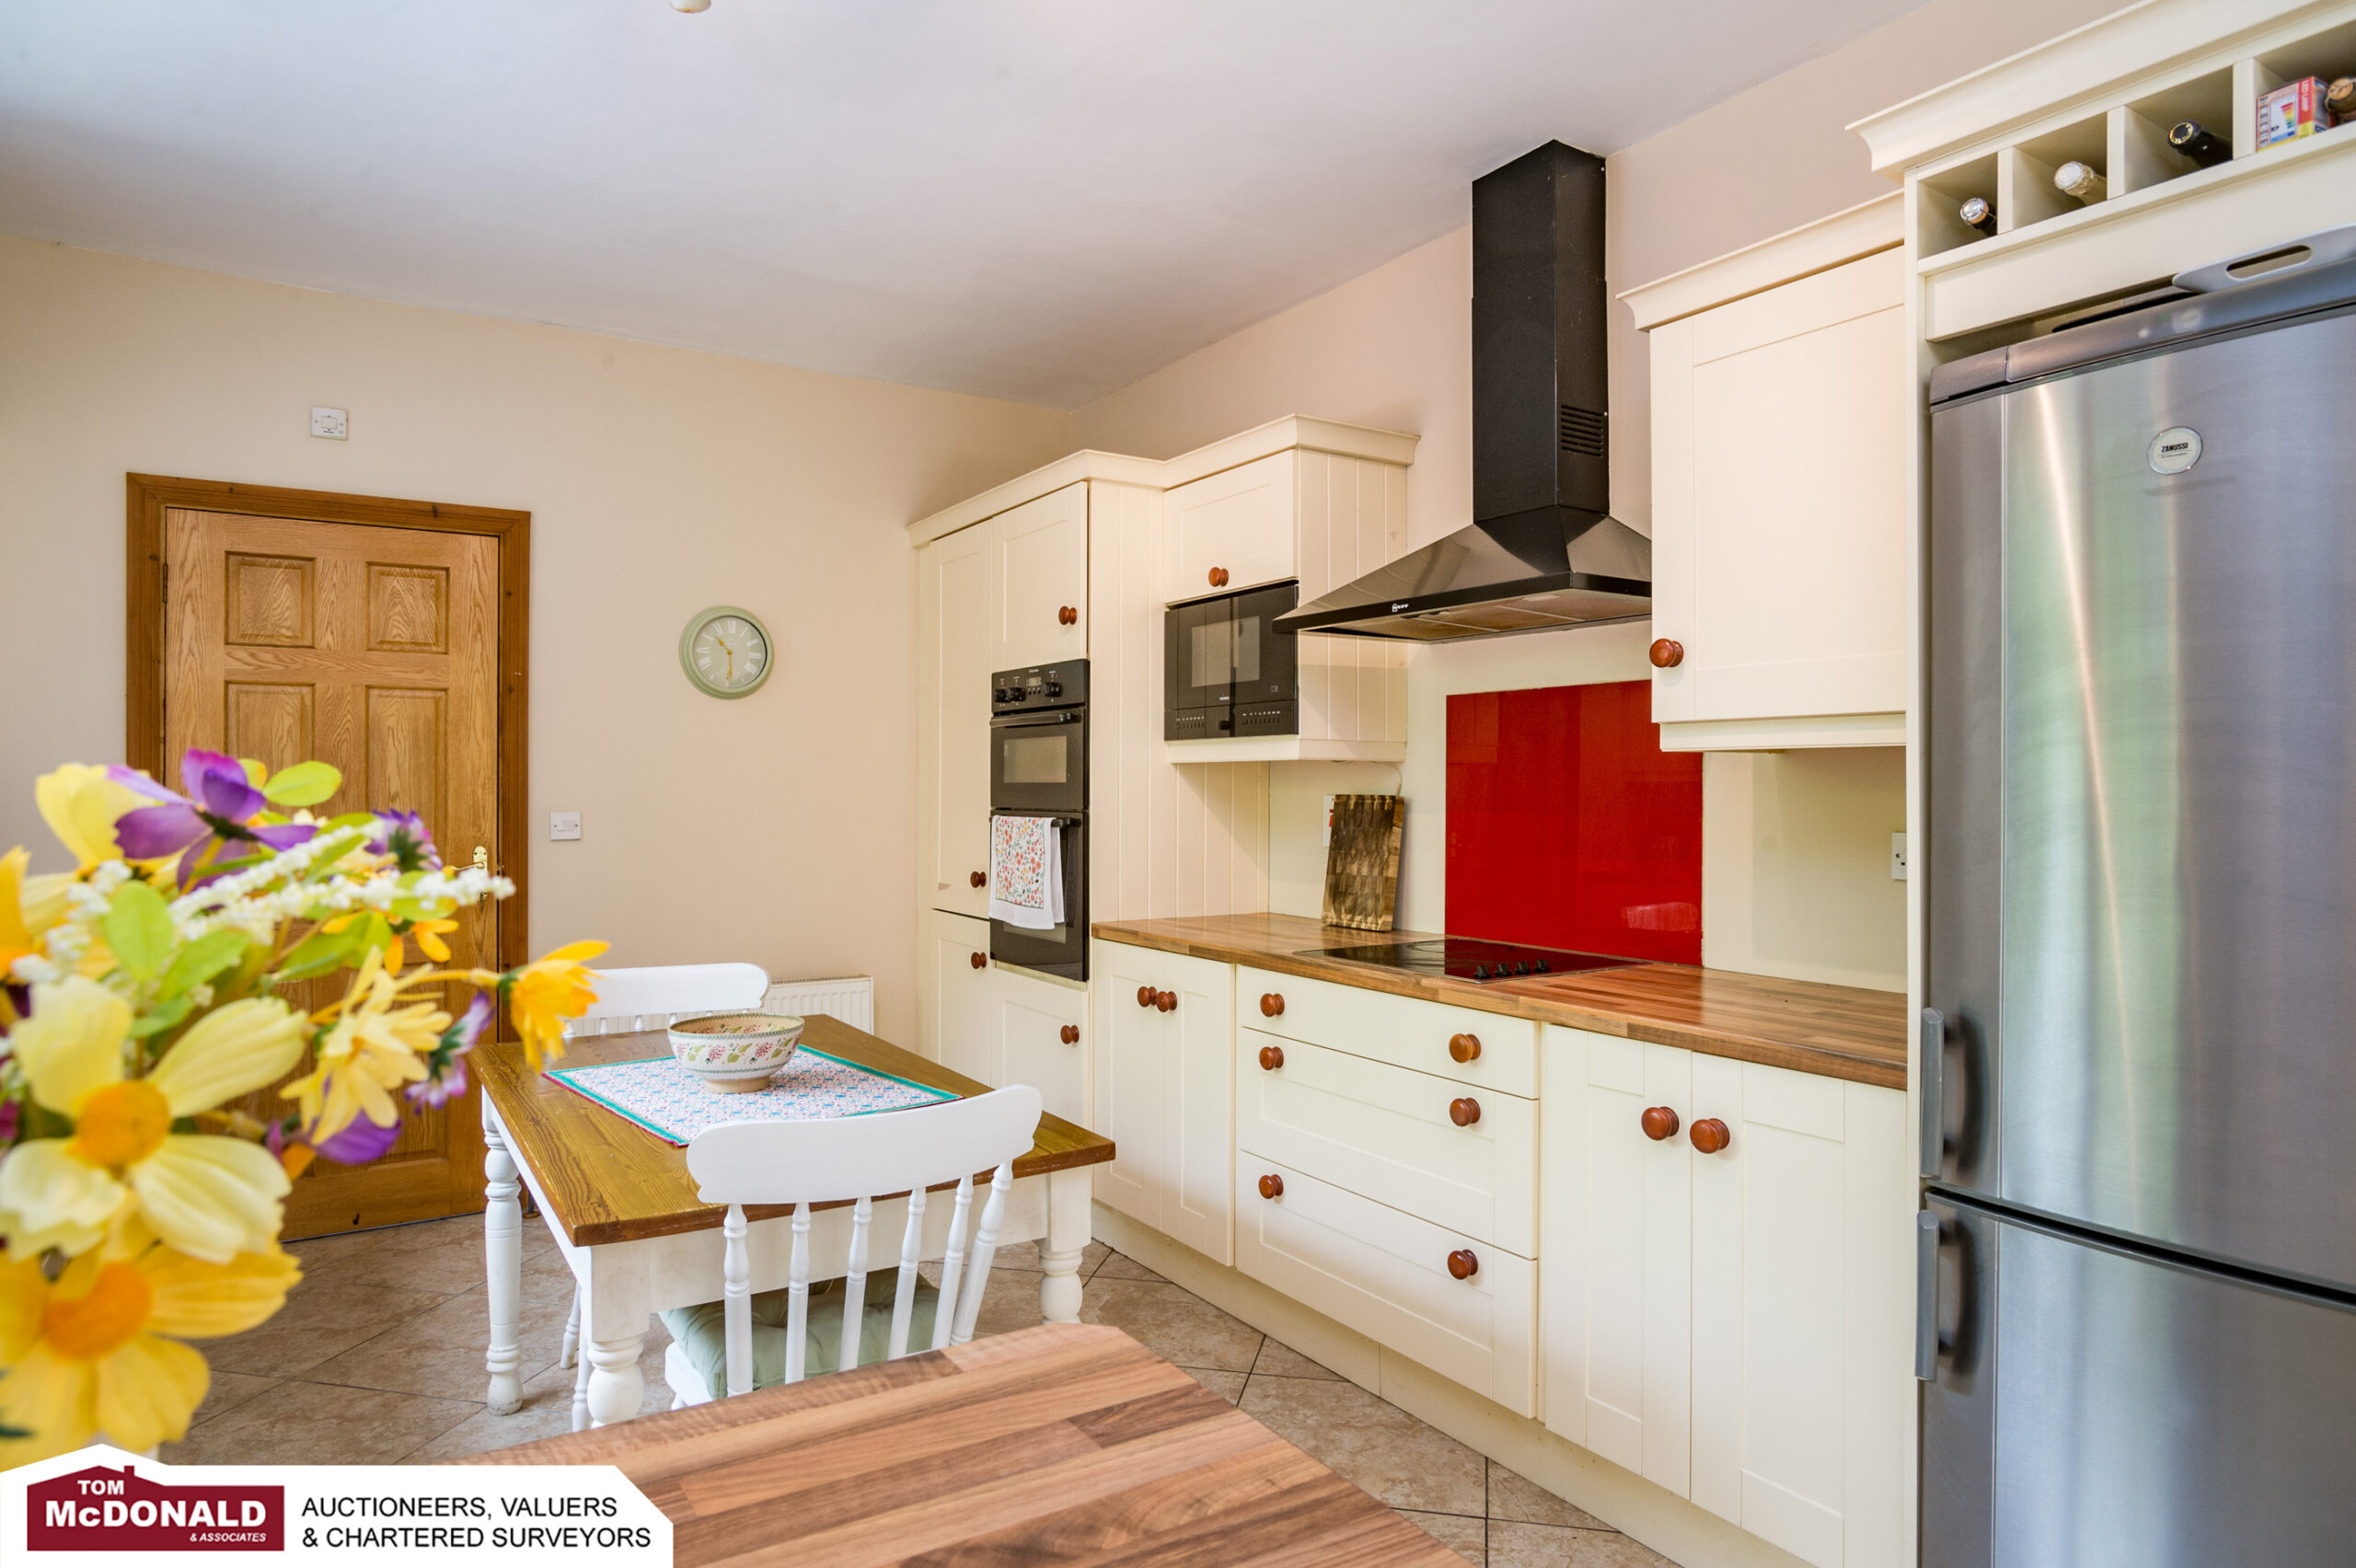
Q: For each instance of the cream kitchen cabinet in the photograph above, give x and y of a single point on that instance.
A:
(1164, 1092)
(1001, 1026)
(1732, 1324)
(955, 1022)
(1782, 416)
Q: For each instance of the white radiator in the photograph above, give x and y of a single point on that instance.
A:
(851, 1000)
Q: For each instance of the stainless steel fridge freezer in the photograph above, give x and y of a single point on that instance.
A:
(2138, 1057)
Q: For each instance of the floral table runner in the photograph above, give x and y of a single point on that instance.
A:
(669, 1101)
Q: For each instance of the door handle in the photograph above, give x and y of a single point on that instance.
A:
(1959, 1349)
(1926, 1295)
(482, 857)
(1934, 1071)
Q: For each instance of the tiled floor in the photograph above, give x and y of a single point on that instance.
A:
(377, 1359)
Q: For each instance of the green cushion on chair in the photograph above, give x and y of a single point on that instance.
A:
(702, 1331)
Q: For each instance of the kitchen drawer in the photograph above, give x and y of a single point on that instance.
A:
(1385, 1273)
(1402, 1030)
(1386, 1134)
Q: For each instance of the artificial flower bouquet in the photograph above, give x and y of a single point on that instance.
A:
(138, 997)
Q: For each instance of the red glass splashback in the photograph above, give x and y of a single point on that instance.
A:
(1568, 826)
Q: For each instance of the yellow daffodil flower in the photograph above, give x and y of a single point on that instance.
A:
(373, 1049)
(81, 804)
(84, 1354)
(211, 1198)
(428, 935)
(16, 931)
(547, 992)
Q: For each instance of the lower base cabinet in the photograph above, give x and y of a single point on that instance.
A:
(1001, 1026)
(1734, 1325)
(1165, 1092)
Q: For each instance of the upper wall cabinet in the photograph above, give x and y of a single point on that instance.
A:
(1231, 531)
(1781, 429)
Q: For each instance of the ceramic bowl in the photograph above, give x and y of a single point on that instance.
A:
(735, 1053)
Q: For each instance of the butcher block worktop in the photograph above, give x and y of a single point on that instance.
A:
(1835, 1031)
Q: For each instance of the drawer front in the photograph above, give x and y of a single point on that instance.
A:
(1387, 1134)
(1385, 1273)
(1402, 1030)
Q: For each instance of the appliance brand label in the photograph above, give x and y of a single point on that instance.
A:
(2174, 450)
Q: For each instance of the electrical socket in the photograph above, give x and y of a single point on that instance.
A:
(329, 424)
(1897, 857)
(564, 825)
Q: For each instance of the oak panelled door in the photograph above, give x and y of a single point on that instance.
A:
(376, 649)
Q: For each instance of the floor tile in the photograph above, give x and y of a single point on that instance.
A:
(440, 1352)
(321, 1319)
(1025, 1255)
(308, 1424)
(1174, 1324)
(1515, 1545)
(1118, 1267)
(1282, 1361)
(1469, 1539)
(1516, 1497)
(226, 1391)
(546, 1412)
(1372, 1443)
(444, 1255)
(1228, 1385)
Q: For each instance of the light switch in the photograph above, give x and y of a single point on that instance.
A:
(564, 825)
(1897, 857)
(329, 424)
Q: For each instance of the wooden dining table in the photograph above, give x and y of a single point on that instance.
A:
(624, 1210)
(1066, 1445)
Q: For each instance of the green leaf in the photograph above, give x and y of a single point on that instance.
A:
(304, 784)
(164, 1016)
(201, 961)
(138, 927)
(322, 951)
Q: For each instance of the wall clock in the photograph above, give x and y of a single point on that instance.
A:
(726, 650)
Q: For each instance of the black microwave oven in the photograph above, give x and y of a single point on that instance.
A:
(1226, 669)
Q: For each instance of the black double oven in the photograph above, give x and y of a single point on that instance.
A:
(1039, 768)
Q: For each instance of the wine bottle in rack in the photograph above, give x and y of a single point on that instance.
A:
(1978, 213)
(2076, 178)
(2199, 144)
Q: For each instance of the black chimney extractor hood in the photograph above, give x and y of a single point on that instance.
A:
(1543, 550)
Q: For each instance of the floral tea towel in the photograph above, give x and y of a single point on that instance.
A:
(1026, 871)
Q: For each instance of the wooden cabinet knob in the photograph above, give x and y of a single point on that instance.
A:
(1272, 1185)
(1659, 1122)
(1462, 1264)
(1167, 1001)
(1219, 577)
(1067, 615)
(1146, 996)
(1071, 1034)
(1667, 653)
(980, 878)
(1271, 1058)
(1464, 1048)
(1272, 1006)
(980, 961)
(1710, 1135)
(1464, 1111)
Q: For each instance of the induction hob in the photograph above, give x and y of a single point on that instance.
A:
(1469, 958)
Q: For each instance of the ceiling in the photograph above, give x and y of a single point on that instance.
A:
(1040, 200)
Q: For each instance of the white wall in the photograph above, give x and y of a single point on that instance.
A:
(777, 828)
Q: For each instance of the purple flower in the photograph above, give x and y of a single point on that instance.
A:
(360, 1141)
(7, 1122)
(402, 835)
(446, 1068)
(216, 812)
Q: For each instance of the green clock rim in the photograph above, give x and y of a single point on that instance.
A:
(702, 618)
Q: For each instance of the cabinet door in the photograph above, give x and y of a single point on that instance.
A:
(1043, 566)
(960, 606)
(1780, 514)
(1241, 522)
(1199, 1206)
(1133, 1076)
(1032, 1016)
(958, 1028)
(1616, 1290)
(1802, 1393)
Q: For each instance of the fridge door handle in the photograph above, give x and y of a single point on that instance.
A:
(1926, 1295)
(1932, 1073)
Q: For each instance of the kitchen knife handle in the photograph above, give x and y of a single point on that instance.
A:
(1934, 1070)
(1926, 1295)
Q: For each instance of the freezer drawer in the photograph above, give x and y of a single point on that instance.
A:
(2098, 1407)
(2143, 869)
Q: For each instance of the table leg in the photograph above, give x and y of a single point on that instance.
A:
(1067, 1225)
(612, 1334)
(502, 1239)
(583, 1364)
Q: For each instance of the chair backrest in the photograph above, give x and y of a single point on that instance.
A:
(854, 1159)
(653, 997)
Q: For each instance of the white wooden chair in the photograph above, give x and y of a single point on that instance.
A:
(654, 996)
(854, 1159)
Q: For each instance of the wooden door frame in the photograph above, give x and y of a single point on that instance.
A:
(149, 495)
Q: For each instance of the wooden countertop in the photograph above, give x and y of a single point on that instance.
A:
(1065, 1444)
(1836, 1031)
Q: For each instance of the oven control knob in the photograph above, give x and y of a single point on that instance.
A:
(1539, 967)
(1480, 972)
(1054, 688)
